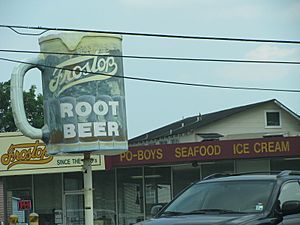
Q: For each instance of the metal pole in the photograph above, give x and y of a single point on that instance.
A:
(88, 189)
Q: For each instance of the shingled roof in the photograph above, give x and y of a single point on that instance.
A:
(198, 121)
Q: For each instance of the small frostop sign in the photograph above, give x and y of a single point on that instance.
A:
(33, 219)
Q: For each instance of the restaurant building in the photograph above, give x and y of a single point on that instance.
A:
(263, 136)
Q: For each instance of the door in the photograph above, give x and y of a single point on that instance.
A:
(74, 208)
(20, 204)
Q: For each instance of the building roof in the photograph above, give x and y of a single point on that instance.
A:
(194, 122)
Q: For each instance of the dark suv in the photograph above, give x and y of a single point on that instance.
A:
(224, 199)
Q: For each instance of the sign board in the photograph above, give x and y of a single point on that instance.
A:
(83, 94)
(21, 155)
(208, 151)
(24, 205)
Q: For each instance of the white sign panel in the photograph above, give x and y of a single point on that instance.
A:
(21, 155)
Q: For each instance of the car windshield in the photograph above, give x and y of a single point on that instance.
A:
(223, 197)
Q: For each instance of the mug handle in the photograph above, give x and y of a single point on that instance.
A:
(17, 101)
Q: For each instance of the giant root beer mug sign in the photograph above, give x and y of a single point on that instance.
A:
(83, 89)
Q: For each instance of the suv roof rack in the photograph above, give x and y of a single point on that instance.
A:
(288, 173)
(278, 173)
(217, 175)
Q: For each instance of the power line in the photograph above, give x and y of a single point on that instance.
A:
(211, 38)
(157, 57)
(162, 81)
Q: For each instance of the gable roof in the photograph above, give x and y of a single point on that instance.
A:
(198, 121)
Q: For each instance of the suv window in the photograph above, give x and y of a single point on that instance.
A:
(245, 197)
(289, 191)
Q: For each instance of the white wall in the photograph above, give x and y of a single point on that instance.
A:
(249, 124)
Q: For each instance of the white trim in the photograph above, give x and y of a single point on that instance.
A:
(287, 110)
(270, 111)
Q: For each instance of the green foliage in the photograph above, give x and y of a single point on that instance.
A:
(33, 107)
(6, 118)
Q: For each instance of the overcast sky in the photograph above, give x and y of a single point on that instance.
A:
(151, 105)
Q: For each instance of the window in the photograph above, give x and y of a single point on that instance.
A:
(184, 175)
(279, 164)
(130, 195)
(19, 188)
(273, 119)
(290, 192)
(239, 196)
(104, 197)
(45, 203)
(209, 168)
(157, 187)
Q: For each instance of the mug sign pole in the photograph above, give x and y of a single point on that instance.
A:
(88, 189)
(84, 99)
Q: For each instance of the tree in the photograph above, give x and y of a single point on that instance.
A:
(33, 104)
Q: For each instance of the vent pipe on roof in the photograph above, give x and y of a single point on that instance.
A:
(199, 117)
